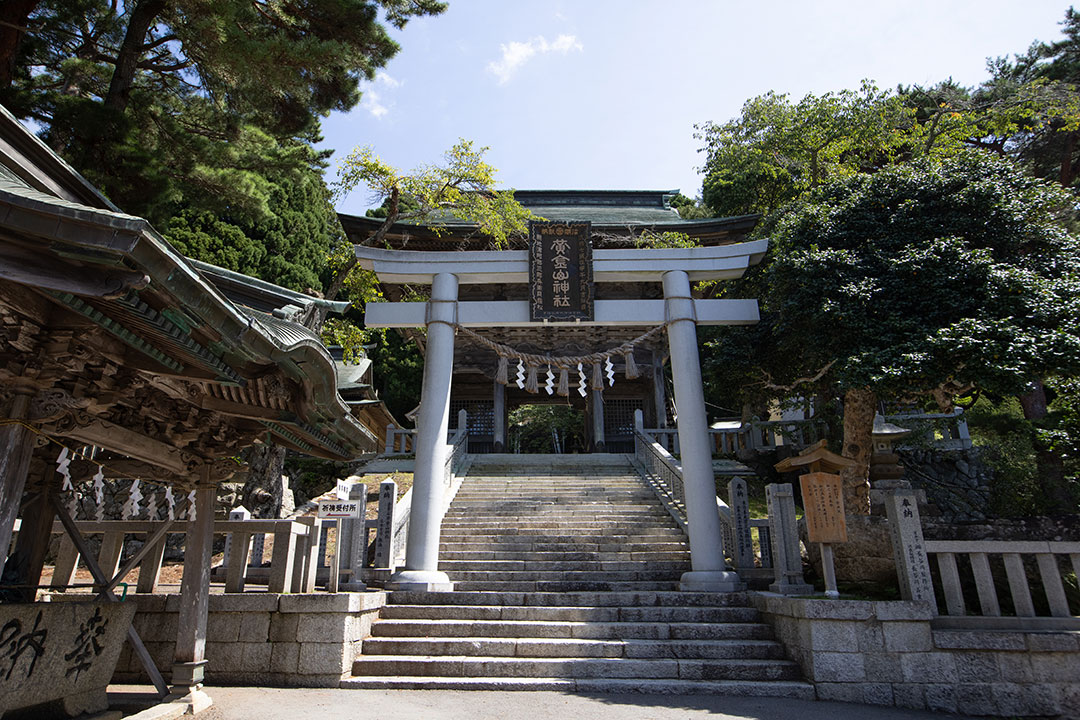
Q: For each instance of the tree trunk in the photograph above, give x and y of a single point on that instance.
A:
(13, 17)
(860, 406)
(1034, 402)
(127, 60)
(1051, 466)
(263, 490)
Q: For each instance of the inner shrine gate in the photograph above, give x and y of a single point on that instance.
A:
(448, 272)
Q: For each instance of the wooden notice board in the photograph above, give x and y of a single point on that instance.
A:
(823, 505)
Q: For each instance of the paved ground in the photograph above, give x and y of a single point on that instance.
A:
(295, 704)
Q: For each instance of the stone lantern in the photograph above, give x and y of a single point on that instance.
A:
(886, 472)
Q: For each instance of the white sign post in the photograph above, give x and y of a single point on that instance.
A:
(337, 510)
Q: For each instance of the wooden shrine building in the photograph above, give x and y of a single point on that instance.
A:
(110, 339)
(618, 220)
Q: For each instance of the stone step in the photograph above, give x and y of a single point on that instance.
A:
(565, 586)
(517, 546)
(572, 614)
(676, 566)
(576, 648)
(617, 534)
(668, 686)
(416, 627)
(486, 666)
(567, 569)
(670, 556)
(641, 571)
(573, 599)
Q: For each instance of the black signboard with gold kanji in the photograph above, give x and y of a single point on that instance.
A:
(560, 271)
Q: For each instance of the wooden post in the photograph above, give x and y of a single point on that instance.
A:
(499, 413)
(190, 658)
(28, 559)
(16, 449)
(599, 442)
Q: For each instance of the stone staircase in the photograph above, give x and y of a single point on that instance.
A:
(566, 572)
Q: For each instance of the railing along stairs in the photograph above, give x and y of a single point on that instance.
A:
(748, 544)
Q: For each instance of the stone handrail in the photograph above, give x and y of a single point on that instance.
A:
(658, 467)
(952, 425)
(399, 441)
(293, 564)
(1013, 554)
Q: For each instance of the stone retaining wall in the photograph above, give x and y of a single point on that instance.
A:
(887, 653)
(263, 639)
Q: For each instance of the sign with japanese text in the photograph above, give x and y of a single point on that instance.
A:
(339, 509)
(823, 507)
(560, 271)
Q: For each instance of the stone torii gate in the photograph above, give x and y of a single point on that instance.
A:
(675, 268)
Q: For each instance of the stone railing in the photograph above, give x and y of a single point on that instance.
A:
(925, 428)
(756, 435)
(795, 434)
(1015, 556)
(913, 554)
(758, 549)
(399, 441)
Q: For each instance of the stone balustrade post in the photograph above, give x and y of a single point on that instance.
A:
(784, 529)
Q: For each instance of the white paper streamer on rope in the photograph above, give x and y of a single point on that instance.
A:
(170, 504)
(609, 368)
(521, 375)
(99, 494)
(550, 385)
(151, 507)
(191, 506)
(131, 505)
(582, 384)
(63, 466)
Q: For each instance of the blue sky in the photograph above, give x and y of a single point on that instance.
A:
(605, 93)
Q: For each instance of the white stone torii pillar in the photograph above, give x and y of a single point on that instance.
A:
(421, 571)
(709, 572)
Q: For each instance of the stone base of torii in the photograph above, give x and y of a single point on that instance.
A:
(675, 268)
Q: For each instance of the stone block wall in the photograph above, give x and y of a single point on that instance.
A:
(263, 639)
(887, 653)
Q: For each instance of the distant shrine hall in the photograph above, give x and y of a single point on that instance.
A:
(573, 315)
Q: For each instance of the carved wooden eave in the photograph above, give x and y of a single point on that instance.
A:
(123, 343)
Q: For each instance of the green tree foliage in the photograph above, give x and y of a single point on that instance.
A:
(927, 280)
(167, 104)
(462, 187)
(776, 149)
(547, 429)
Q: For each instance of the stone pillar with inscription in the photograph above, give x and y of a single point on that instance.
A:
(421, 571)
(709, 571)
(743, 551)
(909, 548)
(384, 526)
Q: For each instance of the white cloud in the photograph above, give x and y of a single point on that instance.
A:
(370, 99)
(371, 103)
(516, 54)
(385, 79)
